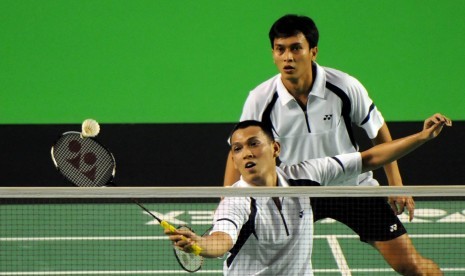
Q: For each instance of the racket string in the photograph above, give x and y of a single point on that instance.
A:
(83, 161)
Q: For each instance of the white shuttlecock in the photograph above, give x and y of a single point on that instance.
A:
(90, 128)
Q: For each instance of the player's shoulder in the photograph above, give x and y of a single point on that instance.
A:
(261, 95)
(340, 78)
(266, 88)
(239, 201)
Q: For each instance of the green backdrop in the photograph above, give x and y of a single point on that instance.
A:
(148, 61)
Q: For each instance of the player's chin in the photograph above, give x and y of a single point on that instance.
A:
(290, 76)
(250, 178)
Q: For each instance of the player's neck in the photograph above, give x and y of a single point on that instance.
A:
(299, 88)
(270, 180)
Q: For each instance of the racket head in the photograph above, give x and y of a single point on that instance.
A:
(188, 261)
(83, 161)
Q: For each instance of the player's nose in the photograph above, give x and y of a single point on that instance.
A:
(288, 56)
(247, 153)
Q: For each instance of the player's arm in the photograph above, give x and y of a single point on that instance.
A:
(397, 203)
(231, 174)
(385, 153)
(213, 246)
(391, 169)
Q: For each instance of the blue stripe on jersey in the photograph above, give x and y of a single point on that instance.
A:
(266, 116)
(340, 163)
(345, 110)
(229, 221)
(372, 106)
(303, 182)
(247, 229)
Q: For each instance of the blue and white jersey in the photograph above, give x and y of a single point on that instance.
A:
(277, 239)
(268, 238)
(336, 101)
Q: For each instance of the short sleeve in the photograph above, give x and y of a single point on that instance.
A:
(230, 215)
(364, 112)
(327, 171)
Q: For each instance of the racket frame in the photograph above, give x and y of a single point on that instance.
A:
(178, 252)
(55, 163)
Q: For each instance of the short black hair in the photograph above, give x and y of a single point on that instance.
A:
(292, 24)
(244, 124)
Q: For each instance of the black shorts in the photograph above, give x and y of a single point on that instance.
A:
(371, 218)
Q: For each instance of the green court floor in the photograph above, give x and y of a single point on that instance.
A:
(120, 239)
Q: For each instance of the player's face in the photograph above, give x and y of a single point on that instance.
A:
(254, 156)
(293, 57)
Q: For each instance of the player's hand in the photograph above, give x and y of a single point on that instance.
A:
(400, 203)
(434, 124)
(183, 239)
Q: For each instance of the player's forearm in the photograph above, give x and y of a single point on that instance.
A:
(215, 245)
(391, 169)
(231, 175)
(392, 174)
(385, 153)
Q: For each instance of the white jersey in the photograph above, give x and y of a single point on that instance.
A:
(336, 101)
(272, 241)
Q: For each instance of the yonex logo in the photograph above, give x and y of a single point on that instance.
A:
(301, 214)
(89, 158)
(328, 117)
(393, 228)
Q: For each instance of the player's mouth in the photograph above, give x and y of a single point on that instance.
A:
(249, 165)
(288, 69)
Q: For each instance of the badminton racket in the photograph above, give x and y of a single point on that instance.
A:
(85, 162)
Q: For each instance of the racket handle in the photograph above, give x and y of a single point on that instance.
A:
(167, 226)
(195, 248)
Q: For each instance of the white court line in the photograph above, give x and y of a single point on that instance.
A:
(333, 270)
(104, 272)
(332, 240)
(136, 238)
(96, 238)
(342, 262)
(434, 236)
(166, 272)
(338, 255)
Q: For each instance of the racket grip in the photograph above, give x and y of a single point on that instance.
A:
(195, 248)
(167, 226)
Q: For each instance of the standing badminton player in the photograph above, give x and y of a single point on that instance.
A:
(311, 110)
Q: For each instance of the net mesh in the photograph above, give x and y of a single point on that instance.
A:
(99, 231)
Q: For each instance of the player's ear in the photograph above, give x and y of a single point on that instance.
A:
(272, 55)
(314, 52)
(276, 149)
(233, 161)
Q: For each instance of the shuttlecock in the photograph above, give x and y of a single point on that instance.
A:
(90, 128)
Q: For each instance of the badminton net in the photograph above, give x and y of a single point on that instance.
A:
(100, 231)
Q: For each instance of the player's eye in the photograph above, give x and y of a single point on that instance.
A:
(236, 149)
(296, 48)
(254, 143)
(279, 49)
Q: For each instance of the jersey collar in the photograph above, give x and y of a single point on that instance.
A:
(282, 182)
(319, 85)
